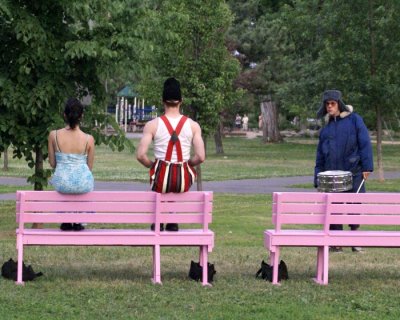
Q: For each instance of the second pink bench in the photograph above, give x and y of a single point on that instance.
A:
(302, 219)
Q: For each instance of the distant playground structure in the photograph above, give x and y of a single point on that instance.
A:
(130, 111)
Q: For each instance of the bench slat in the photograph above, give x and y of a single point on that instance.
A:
(88, 207)
(304, 238)
(301, 197)
(167, 207)
(366, 208)
(132, 206)
(198, 238)
(304, 218)
(302, 207)
(100, 196)
(366, 197)
(115, 218)
(365, 219)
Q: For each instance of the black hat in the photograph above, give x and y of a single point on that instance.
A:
(335, 95)
(172, 90)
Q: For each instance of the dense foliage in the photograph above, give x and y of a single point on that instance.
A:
(52, 50)
(292, 51)
(188, 40)
(289, 52)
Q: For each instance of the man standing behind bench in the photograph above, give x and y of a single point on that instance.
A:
(172, 134)
(344, 144)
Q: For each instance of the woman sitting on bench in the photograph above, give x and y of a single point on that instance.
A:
(71, 153)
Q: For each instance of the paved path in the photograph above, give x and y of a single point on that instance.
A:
(257, 186)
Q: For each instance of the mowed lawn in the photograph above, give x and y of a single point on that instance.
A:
(243, 159)
(114, 283)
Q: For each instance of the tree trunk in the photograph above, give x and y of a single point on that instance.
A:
(219, 148)
(5, 166)
(38, 178)
(38, 169)
(199, 178)
(379, 134)
(378, 110)
(270, 122)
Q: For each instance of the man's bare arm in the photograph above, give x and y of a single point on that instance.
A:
(198, 146)
(90, 152)
(148, 134)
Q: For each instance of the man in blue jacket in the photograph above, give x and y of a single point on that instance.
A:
(344, 144)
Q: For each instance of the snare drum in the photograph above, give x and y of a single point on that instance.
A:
(335, 181)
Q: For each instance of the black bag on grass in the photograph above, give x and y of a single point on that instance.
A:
(9, 271)
(266, 271)
(196, 271)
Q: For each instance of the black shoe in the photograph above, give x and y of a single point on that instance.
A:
(153, 227)
(78, 227)
(172, 227)
(66, 226)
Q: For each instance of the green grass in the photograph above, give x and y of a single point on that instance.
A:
(11, 189)
(114, 283)
(243, 159)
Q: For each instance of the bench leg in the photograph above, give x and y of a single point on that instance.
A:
(204, 264)
(201, 256)
(320, 265)
(326, 265)
(156, 264)
(20, 249)
(275, 266)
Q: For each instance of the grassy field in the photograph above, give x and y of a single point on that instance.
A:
(243, 159)
(11, 189)
(114, 283)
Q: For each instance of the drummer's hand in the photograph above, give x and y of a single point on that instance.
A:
(366, 174)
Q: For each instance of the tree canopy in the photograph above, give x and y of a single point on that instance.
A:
(301, 48)
(52, 50)
(289, 51)
(188, 40)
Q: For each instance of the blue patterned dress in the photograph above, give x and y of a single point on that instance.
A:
(72, 174)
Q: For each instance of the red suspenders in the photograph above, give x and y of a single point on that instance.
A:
(174, 141)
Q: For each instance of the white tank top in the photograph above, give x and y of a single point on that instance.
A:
(162, 138)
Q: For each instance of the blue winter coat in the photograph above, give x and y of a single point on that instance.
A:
(344, 144)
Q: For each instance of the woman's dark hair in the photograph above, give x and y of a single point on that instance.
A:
(73, 112)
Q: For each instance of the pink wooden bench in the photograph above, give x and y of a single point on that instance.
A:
(118, 209)
(295, 213)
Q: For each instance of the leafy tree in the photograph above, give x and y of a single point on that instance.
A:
(365, 51)
(303, 47)
(189, 43)
(51, 50)
(357, 52)
(263, 46)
